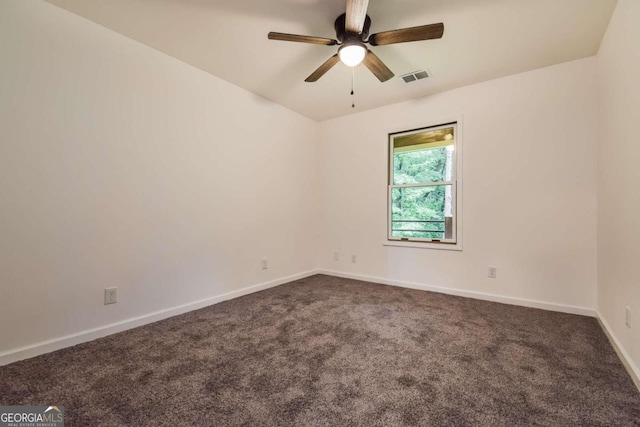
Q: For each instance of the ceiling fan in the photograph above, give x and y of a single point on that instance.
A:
(352, 30)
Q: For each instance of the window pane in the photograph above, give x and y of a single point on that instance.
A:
(422, 212)
(424, 165)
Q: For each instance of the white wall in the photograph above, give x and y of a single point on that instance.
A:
(530, 143)
(121, 166)
(619, 177)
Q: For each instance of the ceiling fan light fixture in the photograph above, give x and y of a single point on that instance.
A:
(352, 53)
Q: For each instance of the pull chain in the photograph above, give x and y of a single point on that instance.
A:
(353, 96)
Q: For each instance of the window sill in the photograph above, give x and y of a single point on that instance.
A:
(426, 245)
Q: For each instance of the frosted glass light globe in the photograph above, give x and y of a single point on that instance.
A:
(351, 55)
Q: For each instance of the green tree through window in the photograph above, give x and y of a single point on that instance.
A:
(421, 194)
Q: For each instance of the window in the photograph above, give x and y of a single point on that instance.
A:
(423, 186)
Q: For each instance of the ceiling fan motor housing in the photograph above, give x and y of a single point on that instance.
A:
(344, 36)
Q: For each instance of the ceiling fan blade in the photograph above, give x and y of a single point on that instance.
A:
(302, 39)
(423, 32)
(326, 66)
(356, 14)
(377, 67)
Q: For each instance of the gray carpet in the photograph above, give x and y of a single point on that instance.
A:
(327, 351)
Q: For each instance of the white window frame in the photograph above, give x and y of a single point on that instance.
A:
(456, 189)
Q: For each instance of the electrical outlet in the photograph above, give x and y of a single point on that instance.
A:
(110, 295)
(493, 272)
(354, 258)
(265, 263)
(336, 256)
(627, 316)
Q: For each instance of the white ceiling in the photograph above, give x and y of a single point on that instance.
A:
(483, 39)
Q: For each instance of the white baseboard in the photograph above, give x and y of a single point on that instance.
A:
(632, 368)
(43, 347)
(54, 344)
(571, 309)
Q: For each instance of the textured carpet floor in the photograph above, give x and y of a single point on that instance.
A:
(330, 351)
